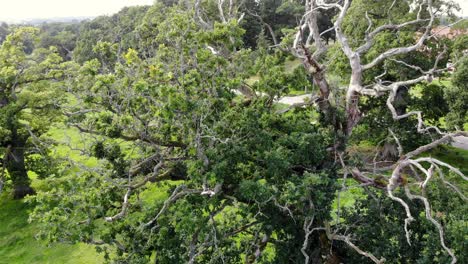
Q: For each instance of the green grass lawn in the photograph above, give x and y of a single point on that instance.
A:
(454, 156)
(291, 65)
(17, 237)
(18, 245)
(296, 92)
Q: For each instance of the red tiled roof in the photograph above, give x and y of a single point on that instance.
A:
(447, 32)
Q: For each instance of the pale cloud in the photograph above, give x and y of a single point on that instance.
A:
(464, 6)
(16, 10)
(26, 9)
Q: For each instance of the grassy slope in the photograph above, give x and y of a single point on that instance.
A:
(289, 66)
(18, 245)
(454, 156)
(17, 242)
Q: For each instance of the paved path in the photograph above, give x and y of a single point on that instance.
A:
(290, 100)
(460, 142)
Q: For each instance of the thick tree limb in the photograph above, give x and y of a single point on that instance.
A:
(403, 50)
(143, 138)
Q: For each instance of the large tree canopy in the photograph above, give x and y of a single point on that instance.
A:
(198, 162)
(30, 96)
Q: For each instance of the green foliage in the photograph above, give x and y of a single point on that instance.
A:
(30, 95)
(431, 101)
(119, 28)
(456, 96)
(375, 124)
(142, 146)
(384, 218)
(112, 152)
(63, 36)
(278, 77)
(460, 47)
(19, 243)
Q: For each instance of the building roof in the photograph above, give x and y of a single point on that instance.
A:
(447, 32)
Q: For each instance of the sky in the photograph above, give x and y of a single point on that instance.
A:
(464, 6)
(17, 10)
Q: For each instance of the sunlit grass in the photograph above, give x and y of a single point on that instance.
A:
(18, 244)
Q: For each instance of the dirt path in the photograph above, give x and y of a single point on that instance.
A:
(290, 100)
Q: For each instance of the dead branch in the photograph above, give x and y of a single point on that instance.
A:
(347, 240)
(430, 218)
(434, 144)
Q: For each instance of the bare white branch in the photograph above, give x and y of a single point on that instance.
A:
(434, 222)
(403, 50)
(348, 241)
(392, 184)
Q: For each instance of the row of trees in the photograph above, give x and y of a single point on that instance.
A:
(190, 171)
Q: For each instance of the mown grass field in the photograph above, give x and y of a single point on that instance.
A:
(18, 244)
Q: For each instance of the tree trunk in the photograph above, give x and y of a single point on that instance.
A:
(400, 100)
(16, 168)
